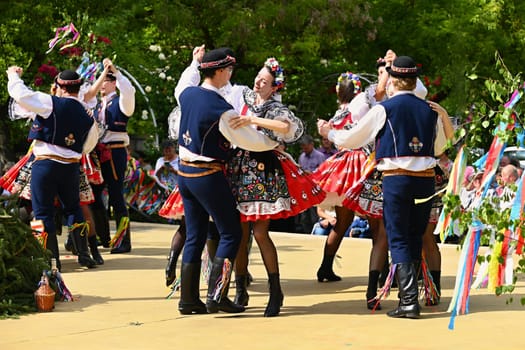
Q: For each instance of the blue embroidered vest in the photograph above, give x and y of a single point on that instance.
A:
(201, 110)
(67, 126)
(409, 130)
(115, 119)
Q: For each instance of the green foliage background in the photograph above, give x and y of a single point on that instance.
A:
(313, 40)
(470, 51)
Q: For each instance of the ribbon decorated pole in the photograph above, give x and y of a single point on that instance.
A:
(469, 251)
(444, 225)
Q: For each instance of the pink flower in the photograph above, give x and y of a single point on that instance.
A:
(39, 81)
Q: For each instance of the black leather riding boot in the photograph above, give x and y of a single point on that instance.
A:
(190, 302)
(218, 287)
(79, 237)
(93, 248)
(408, 292)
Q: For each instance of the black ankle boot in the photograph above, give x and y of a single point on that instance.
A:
(79, 238)
(218, 287)
(371, 292)
(326, 272)
(276, 296)
(171, 267)
(241, 292)
(408, 292)
(190, 302)
(93, 248)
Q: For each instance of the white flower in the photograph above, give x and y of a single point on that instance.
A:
(169, 78)
(162, 75)
(161, 56)
(175, 52)
(324, 62)
(154, 48)
(144, 114)
(148, 88)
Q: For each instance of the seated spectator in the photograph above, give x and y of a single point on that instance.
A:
(326, 221)
(359, 228)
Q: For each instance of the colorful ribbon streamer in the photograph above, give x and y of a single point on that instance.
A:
(61, 34)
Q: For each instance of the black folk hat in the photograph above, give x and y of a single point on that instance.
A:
(218, 58)
(68, 77)
(403, 67)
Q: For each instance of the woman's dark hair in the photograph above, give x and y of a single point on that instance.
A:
(346, 93)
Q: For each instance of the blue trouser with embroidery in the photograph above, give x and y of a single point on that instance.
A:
(50, 179)
(203, 197)
(405, 221)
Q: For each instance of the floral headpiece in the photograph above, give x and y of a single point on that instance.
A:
(349, 76)
(277, 72)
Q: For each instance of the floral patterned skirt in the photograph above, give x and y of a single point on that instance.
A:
(368, 201)
(86, 192)
(270, 185)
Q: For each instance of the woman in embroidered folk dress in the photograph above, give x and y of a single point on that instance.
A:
(260, 180)
(340, 172)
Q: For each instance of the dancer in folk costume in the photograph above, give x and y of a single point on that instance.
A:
(262, 181)
(204, 146)
(407, 167)
(366, 197)
(112, 115)
(63, 130)
(340, 172)
(89, 171)
(173, 208)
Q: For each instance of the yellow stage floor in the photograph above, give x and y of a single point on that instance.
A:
(123, 305)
